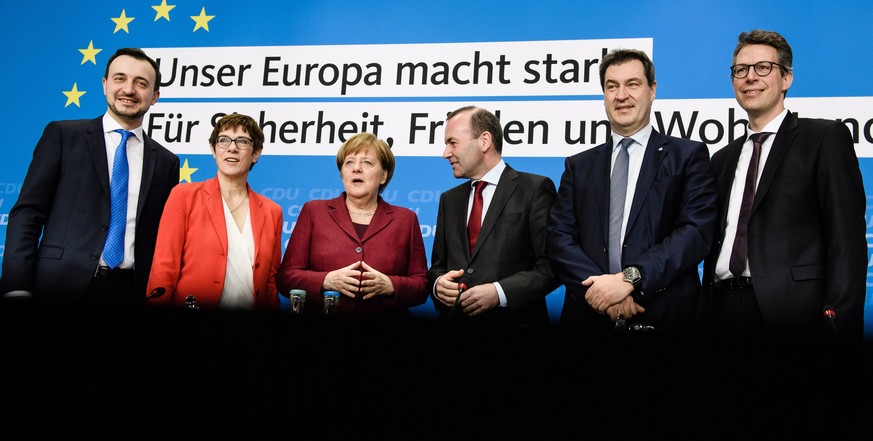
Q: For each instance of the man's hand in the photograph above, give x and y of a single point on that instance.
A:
(606, 290)
(446, 287)
(479, 299)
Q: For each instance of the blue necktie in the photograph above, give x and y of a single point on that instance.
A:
(113, 250)
(617, 192)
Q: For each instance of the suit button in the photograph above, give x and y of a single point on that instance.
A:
(358, 249)
(470, 270)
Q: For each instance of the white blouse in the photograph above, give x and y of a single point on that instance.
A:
(239, 291)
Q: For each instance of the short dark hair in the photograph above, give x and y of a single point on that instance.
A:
(139, 55)
(482, 121)
(621, 56)
(769, 38)
(245, 122)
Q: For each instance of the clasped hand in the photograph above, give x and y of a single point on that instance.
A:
(609, 294)
(358, 278)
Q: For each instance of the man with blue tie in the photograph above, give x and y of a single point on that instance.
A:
(85, 222)
(634, 217)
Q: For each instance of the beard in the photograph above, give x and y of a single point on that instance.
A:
(129, 115)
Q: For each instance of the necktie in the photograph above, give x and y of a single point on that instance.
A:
(740, 251)
(474, 224)
(617, 192)
(113, 250)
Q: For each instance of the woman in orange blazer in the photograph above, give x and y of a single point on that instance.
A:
(218, 240)
(368, 250)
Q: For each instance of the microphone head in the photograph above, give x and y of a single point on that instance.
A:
(828, 312)
(462, 286)
(157, 292)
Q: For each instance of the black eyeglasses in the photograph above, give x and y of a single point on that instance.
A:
(762, 69)
(241, 142)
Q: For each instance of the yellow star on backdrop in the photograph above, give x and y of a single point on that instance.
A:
(185, 172)
(73, 96)
(163, 10)
(202, 20)
(121, 22)
(89, 53)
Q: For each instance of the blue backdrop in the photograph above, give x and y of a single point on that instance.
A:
(54, 55)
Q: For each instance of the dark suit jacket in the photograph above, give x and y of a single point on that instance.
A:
(191, 252)
(807, 245)
(510, 248)
(669, 231)
(65, 199)
(324, 239)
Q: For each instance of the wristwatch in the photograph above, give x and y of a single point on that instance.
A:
(632, 275)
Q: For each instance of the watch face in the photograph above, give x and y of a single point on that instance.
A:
(632, 275)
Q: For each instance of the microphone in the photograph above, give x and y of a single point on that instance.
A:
(461, 288)
(157, 292)
(191, 302)
(830, 317)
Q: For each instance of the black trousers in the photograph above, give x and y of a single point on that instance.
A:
(736, 312)
(113, 291)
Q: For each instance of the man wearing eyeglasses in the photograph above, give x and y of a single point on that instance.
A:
(790, 260)
(84, 225)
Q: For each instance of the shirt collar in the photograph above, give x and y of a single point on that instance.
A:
(641, 137)
(772, 126)
(111, 125)
(493, 175)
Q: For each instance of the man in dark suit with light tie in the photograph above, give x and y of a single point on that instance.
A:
(634, 217)
(85, 222)
(794, 263)
(500, 253)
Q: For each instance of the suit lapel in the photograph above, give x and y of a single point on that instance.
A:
(337, 210)
(384, 216)
(784, 137)
(457, 201)
(97, 148)
(256, 213)
(725, 179)
(149, 158)
(215, 207)
(602, 171)
(657, 149)
(505, 188)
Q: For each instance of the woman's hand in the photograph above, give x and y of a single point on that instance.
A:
(374, 283)
(347, 280)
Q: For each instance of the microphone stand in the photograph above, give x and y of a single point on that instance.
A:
(453, 311)
(830, 317)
